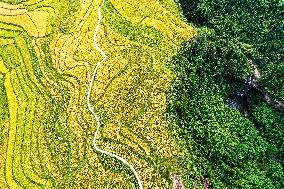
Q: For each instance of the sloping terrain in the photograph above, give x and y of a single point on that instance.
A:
(227, 116)
(47, 57)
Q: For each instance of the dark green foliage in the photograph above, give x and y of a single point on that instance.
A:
(221, 143)
(234, 151)
(259, 24)
(273, 77)
(220, 59)
(271, 126)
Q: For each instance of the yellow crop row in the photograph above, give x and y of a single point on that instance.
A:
(50, 128)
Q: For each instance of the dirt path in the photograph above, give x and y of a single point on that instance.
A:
(89, 97)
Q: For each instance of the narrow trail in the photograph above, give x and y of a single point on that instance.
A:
(89, 96)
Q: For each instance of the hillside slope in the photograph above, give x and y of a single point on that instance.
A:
(47, 58)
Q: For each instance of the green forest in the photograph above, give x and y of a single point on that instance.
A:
(233, 147)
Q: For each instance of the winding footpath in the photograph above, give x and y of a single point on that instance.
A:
(90, 106)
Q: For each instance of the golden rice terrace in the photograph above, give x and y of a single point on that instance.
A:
(47, 59)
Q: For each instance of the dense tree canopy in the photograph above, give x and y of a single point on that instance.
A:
(256, 24)
(233, 150)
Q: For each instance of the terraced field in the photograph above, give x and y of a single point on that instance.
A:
(47, 57)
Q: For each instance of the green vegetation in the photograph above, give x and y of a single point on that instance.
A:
(256, 24)
(270, 124)
(234, 151)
